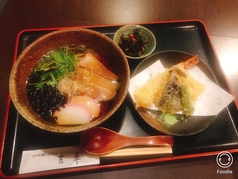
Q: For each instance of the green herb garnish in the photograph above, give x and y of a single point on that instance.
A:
(57, 64)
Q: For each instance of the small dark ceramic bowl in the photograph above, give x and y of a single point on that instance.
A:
(52, 41)
(145, 33)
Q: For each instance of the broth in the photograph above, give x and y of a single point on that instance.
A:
(75, 62)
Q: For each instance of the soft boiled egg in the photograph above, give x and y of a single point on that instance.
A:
(92, 104)
(72, 114)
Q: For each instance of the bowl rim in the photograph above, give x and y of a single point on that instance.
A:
(50, 127)
(121, 29)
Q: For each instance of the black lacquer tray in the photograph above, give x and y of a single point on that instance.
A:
(187, 36)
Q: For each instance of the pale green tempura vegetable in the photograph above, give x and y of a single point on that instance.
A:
(188, 107)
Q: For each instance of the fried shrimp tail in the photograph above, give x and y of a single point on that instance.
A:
(191, 62)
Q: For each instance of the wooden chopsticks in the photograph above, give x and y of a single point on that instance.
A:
(158, 151)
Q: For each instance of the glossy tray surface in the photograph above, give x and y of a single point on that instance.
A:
(187, 36)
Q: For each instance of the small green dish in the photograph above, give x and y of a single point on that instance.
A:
(145, 36)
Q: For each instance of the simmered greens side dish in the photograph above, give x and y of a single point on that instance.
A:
(71, 85)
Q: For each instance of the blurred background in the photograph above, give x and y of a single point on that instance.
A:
(2, 3)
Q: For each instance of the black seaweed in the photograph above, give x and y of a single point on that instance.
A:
(133, 44)
(46, 100)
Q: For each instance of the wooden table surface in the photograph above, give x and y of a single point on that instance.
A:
(219, 16)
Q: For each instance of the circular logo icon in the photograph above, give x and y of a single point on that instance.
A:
(224, 159)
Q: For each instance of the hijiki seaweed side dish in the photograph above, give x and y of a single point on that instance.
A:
(133, 44)
(71, 85)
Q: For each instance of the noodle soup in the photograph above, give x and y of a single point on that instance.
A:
(71, 85)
